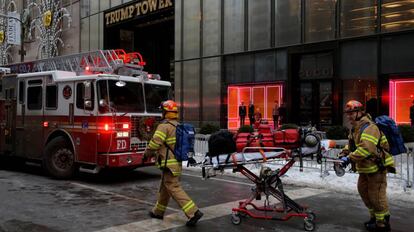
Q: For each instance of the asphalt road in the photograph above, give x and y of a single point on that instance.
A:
(119, 201)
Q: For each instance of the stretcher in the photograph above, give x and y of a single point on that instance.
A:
(267, 183)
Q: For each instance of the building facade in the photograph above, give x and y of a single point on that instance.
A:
(310, 56)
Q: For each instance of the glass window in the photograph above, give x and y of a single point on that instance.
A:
(177, 28)
(34, 98)
(319, 20)
(80, 101)
(259, 14)
(191, 27)
(281, 65)
(104, 4)
(239, 69)
(154, 95)
(288, 23)
(358, 60)
(264, 66)
(211, 90)
(211, 27)
(84, 34)
(94, 7)
(364, 91)
(101, 31)
(116, 3)
(397, 15)
(233, 26)
(358, 17)
(397, 54)
(21, 92)
(94, 33)
(51, 96)
(84, 8)
(191, 93)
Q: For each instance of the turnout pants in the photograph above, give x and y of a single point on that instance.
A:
(170, 187)
(372, 189)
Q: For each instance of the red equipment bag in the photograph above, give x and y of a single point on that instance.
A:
(289, 138)
(242, 139)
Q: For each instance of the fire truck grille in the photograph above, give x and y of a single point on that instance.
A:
(136, 142)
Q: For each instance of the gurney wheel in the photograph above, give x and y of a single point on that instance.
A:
(339, 171)
(309, 225)
(235, 219)
(311, 215)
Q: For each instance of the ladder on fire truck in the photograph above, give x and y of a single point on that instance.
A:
(100, 61)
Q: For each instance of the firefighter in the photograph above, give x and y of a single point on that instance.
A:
(171, 169)
(367, 151)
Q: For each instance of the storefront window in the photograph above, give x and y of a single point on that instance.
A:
(401, 93)
(320, 20)
(259, 14)
(358, 17)
(233, 26)
(364, 91)
(287, 22)
(397, 15)
(191, 27)
(211, 27)
(211, 90)
(191, 91)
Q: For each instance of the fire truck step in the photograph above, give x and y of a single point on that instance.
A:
(90, 169)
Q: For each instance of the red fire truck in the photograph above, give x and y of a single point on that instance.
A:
(95, 116)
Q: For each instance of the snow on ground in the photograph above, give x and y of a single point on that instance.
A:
(311, 177)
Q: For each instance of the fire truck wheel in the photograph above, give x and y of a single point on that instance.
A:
(59, 160)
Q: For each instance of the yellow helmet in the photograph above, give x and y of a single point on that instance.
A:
(353, 106)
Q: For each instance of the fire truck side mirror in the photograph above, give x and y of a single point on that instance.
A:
(87, 90)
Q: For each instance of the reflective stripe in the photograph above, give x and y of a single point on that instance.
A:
(160, 135)
(170, 162)
(371, 169)
(380, 216)
(389, 161)
(362, 152)
(188, 206)
(171, 140)
(160, 207)
(383, 139)
(153, 145)
(370, 138)
(176, 173)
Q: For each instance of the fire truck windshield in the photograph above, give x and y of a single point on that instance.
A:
(127, 98)
(154, 95)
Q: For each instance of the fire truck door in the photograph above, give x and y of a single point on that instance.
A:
(8, 124)
(85, 132)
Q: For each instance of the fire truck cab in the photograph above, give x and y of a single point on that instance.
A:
(87, 122)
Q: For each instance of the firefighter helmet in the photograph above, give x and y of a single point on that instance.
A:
(169, 106)
(353, 106)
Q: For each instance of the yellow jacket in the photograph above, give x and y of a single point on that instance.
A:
(164, 136)
(366, 151)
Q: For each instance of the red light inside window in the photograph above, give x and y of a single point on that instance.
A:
(106, 127)
(125, 126)
(87, 68)
(45, 124)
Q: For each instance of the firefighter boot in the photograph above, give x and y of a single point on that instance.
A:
(371, 221)
(387, 222)
(192, 221)
(153, 215)
(377, 227)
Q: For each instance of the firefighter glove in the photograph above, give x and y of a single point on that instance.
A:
(345, 161)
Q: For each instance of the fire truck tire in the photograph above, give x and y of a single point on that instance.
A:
(59, 159)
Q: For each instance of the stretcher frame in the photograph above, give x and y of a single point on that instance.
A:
(269, 184)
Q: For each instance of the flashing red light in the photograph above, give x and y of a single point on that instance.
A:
(125, 126)
(411, 96)
(149, 76)
(87, 68)
(106, 127)
(45, 124)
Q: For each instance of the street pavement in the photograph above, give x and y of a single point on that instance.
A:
(120, 200)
